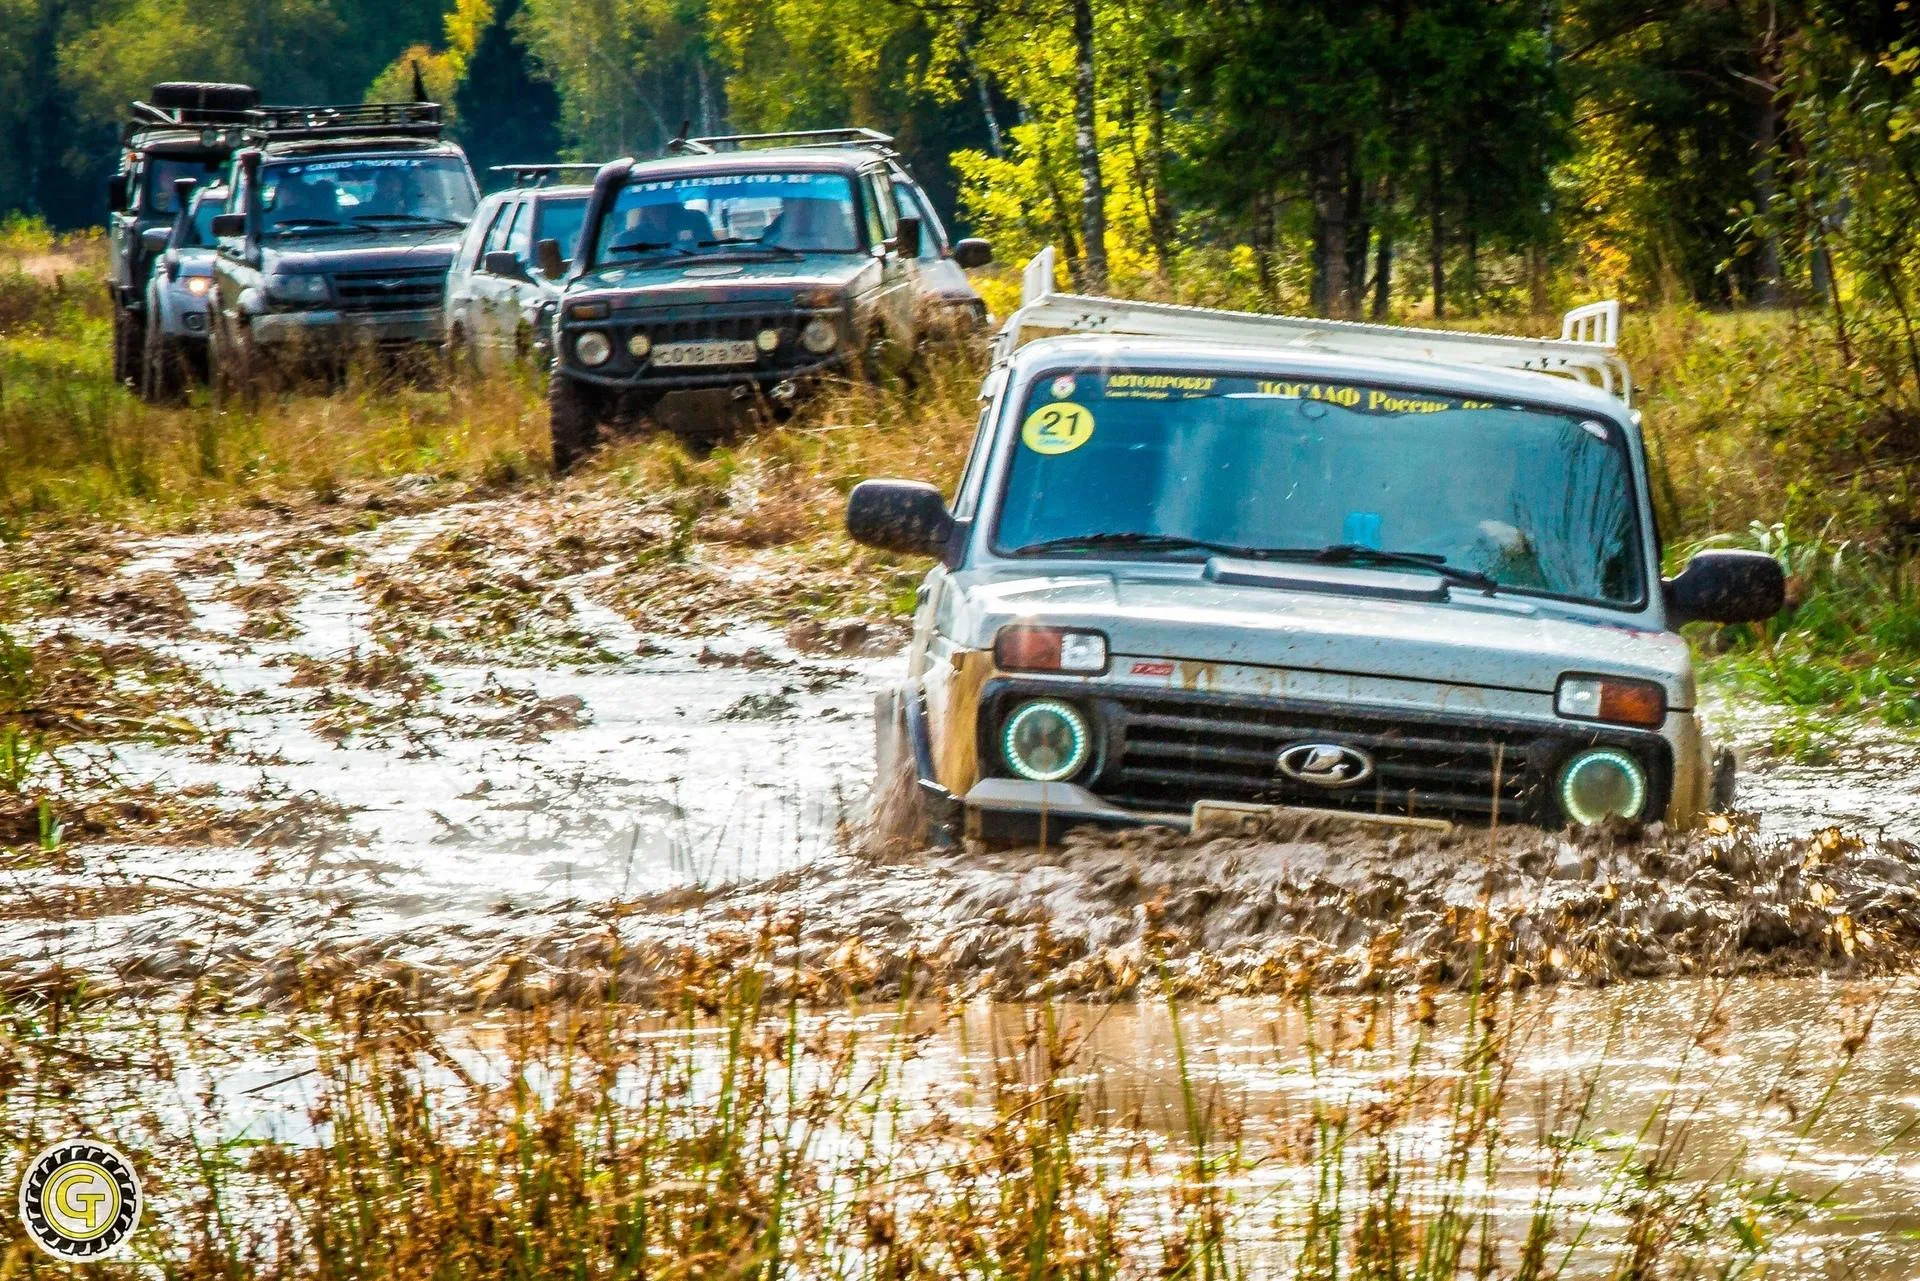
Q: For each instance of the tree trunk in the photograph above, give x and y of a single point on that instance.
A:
(1160, 213)
(1330, 291)
(1093, 199)
(1263, 247)
(994, 142)
(1436, 237)
(1766, 143)
(1359, 233)
(1383, 274)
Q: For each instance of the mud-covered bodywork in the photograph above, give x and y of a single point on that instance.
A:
(1212, 682)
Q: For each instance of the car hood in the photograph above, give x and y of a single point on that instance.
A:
(382, 250)
(1500, 642)
(669, 283)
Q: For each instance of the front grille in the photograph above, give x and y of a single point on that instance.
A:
(405, 289)
(710, 328)
(1175, 752)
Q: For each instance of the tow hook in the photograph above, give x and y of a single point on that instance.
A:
(784, 391)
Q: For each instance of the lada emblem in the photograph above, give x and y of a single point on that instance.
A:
(1329, 765)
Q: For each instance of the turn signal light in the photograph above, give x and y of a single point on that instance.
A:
(1610, 699)
(1049, 649)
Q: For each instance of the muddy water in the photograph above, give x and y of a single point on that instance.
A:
(433, 788)
(1739, 1072)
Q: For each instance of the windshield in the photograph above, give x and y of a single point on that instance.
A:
(162, 171)
(1535, 500)
(560, 219)
(308, 196)
(799, 212)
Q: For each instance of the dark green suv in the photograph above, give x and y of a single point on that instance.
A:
(752, 265)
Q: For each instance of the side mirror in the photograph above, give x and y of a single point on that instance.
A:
(229, 224)
(973, 252)
(183, 189)
(907, 237)
(117, 191)
(900, 516)
(503, 262)
(154, 239)
(547, 255)
(1726, 587)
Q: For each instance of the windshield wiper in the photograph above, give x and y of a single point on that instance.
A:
(761, 245)
(289, 224)
(639, 246)
(429, 219)
(1356, 554)
(1134, 541)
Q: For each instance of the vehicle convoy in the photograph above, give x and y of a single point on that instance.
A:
(1204, 564)
(341, 226)
(186, 133)
(752, 265)
(174, 346)
(500, 304)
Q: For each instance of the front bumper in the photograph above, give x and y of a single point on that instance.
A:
(758, 376)
(1161, 752)
(346, 328)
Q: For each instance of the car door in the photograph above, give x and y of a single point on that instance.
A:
(895, 303)
(519, 296)
(493, 318)
(461, 299)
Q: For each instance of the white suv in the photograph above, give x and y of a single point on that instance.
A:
(1204, 565)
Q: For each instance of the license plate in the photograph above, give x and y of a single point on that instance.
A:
(1234, 818)
(681, 355)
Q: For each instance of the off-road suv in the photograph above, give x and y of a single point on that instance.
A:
(753, 265)
(174, 350)
(341, 226)
(187, 133)
(1202, 566)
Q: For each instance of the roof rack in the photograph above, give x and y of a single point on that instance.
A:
(851, 137)
(1585, 349)
(544, 175)
(352, 120)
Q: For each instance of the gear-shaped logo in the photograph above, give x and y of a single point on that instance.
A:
(80, 1200)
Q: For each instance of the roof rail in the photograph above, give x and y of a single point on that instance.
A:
(1584, 350)
(543, 175)
(351, 120)
(849, 137)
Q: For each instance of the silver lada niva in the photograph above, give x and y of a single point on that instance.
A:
(1204, 565)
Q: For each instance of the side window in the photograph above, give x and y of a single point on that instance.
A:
(870, 207)
(882, 192)
(966, 499)
(520, 234)
(932, 242)
(137, 187)
(237, 197)
(502, 223)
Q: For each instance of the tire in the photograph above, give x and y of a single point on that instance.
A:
(573, 421)
(205, 95)
(163, 368)
(129, 336)
(230, 370)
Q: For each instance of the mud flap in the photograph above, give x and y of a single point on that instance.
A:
(903, 749)
(1726, 782)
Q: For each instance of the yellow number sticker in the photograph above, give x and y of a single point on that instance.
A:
(1059, 428)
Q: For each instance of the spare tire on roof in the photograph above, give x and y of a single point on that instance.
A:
(207, 97)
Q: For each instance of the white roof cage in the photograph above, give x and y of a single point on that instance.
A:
(1585, 349)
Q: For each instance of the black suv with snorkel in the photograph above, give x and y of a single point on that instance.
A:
(342, 223)
(750, 265)
(178, 140)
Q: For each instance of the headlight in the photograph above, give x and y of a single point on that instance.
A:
(819, 336)
(1049, 649)
(638, 345)
(1601, 783)
(1045, 741)
(297, 288)
(767, 339)
(593, 348)
(198, 286)
(1606, 698)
